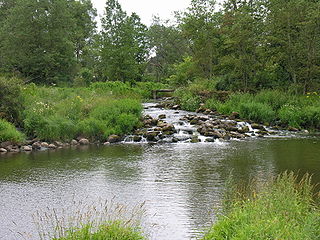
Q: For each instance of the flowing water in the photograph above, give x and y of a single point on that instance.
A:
(182, 183)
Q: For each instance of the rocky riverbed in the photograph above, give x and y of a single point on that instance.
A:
(165, 122)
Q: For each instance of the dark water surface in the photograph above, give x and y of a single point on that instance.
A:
(182, 184)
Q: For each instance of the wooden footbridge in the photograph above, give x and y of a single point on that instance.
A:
(155, 92)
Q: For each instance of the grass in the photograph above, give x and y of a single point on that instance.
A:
(273, 107)
(8, 132)
(283, 209)
(101, 220)
(107, 231)
(95, 112)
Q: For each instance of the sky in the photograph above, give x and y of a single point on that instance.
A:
(147, 8)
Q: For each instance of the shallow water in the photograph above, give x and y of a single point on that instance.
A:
(183, 183)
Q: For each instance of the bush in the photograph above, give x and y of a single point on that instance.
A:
(108, 231)
(187, 100)
(11, 99)
(291, 115)
(9, 133)
(283, 209)
(256, 111)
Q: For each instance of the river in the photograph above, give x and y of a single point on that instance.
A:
(182, 184)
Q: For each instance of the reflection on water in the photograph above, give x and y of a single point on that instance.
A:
(182, 184)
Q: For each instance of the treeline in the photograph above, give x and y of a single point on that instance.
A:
(243, 45)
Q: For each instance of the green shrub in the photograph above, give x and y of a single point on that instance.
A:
(291, 115)
(275, 99)
(9, 133)
(109, 231)
(281, 210)
(187, 100)
(11, 99)
(256, 111)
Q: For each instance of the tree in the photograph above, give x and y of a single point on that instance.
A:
(123, 44)
(169, 47)
(44, 40)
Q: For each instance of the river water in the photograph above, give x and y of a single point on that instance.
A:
(182, 184)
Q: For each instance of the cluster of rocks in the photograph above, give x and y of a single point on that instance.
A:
(36, 145)
(154, 129)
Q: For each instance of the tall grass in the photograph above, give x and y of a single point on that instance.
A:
(95, 112)
(8, 132)
(283, 209)
(273, 107)
(96, 220)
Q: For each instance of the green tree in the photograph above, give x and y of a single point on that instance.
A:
(123, 44)
(168, 47)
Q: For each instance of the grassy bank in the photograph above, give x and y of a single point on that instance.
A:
(56, 113)
(268, 106)
(283, 209)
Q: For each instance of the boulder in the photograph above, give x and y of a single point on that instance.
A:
(74, 142)
(152, 136)
(84, 141)
(292, 129)
(234, 115)
(167, 127)
(176, 107)
(114, 138)
(26, 148)
(3, 150)
(244, 129)
(44, 145)
(5, 144)
(36, 145)
(210, 140)
(137, 138)
(162, 116)
(195, 139)
(52, 146)
(258, 126)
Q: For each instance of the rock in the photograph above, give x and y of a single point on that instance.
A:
(26, 148)
(167, 133)
(59, 144)
(74, 142)
(194, 122)
(106, 144)
(244, 129)
(263, 132)
(44, 145)
(234, 115)
(154, 122)
(162, 116)
(214, 134)
(36, 145)
(258, 126)
(195, 139)
(231, 128)
(137, 138)
(175, 140)
(114, 138)
(5, 144)
(84, 141)
(167, 127)
(152, 136)
(210, 140)
(292, 129)
(3, 150)
(52, 146)
(176, 107)
(13, 149)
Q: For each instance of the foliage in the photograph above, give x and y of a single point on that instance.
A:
(184, 72)
(283, 209)
(10, 99)
(123, 44)
(45, 40)
(187, 100)
(273, 107)
(109, 231)
(9, 133)
(66, 113)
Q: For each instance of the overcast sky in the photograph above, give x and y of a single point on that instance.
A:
(147, 8)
